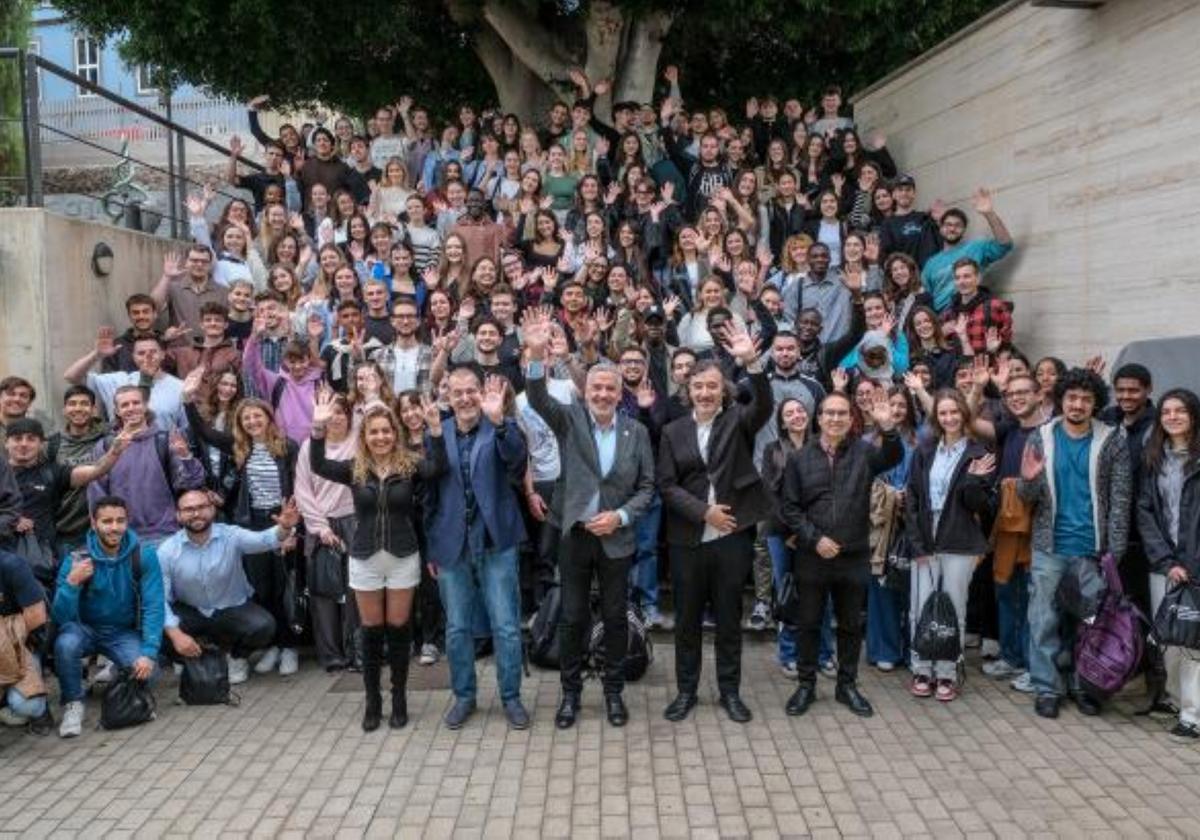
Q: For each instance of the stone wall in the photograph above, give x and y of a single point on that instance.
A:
(1085, 124)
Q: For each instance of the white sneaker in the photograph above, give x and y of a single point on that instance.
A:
(654, 618)
(239, 670)
(886, 667)
(789, 670)
(971, 640)
(999, 669)
(72, 722)
(760, 616)
(830, 669)
(1023, 683)
(107, 673)
(989, 649)
(289, 662)
(10, 718)
(268, 662)
(429, 654)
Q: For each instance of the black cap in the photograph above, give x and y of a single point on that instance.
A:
(25, 426)
(654, 312)
(903, 180)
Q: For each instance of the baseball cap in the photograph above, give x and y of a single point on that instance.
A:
(25, 426)
(904, 180)
(654, 312)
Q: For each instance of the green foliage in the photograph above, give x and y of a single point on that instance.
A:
(15, 22)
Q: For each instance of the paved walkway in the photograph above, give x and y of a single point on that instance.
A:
(291, 761)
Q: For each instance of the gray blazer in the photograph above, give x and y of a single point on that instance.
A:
(629, 485)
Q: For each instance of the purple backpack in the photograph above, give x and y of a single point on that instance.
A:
(1109, 647)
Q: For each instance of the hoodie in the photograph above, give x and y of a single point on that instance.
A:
(75, 451)
(897, 356)
(108, 599)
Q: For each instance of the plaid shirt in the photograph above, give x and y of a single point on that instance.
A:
(385, 357)
(982, 311)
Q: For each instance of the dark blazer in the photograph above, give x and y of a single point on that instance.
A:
(963, 526)
(1162, 550)
(629, 484)
(498, 463)
(684, 478)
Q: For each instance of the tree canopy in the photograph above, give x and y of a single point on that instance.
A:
(517, 51)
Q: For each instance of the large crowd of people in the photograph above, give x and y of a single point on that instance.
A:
(428, 374)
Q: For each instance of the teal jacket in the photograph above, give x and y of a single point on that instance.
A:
(108, 598)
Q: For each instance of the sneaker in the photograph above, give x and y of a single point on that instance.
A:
(990, 649)
(921, 687)
(239, 670)
(760, 616)
(289, 662)
(654, 618)
(829, 669)
(946, 691)
(709, 622)
(1023, 683)
(1185, 732)
(268, 662)
(429, 654)
(106, 674)
(999, 670)
(72, 722)
(971, 640)
(886, 667)
(789, 670)
(10, 718)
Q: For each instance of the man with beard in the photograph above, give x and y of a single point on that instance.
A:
(164, 392)
(488, 339)
(938, 272)
(205, 587)
(406, 361)
(109, 601)
(73, 447)
(142, 312)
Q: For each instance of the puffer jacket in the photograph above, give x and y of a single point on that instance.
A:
(1163, 550)
(1111, 478)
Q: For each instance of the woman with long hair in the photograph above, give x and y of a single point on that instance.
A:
(949, 488)
(265, 462)
(775, 165)
(389, 198)
(809, 158)
(1168, 519)
(544, 248)
(385, 564)
(367, 388)
(452, 273)
(560, 181)
(328, 510)
(688, 266)
(218, 410)
(588, 201)
(440, 318)
(1047, 372)
(902, 289)
(484, 278)
(693, 328)
(926, 340)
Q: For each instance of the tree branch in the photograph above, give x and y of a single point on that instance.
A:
(532, 44)
(639, 60)
(605, 28)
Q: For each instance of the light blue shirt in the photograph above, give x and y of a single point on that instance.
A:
(210, 577)
(941, 474)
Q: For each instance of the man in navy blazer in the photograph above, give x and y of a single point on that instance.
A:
(474, 526)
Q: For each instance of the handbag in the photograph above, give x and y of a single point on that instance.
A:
(1177, 622)
(127, 702)
(936, 637)
(205, 679)
(325, 571)
(295, 601)
(897, 563)
(787, 601)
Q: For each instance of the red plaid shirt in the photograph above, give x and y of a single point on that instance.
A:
(983, 311)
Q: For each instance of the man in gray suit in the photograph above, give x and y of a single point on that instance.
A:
(605, 485)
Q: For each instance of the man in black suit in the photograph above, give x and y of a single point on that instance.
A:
(714, 499)
(605, 485)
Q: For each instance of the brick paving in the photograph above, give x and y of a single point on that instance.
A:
(292, 762)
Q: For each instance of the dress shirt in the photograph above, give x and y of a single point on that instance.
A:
(941, 473)
(210, 577)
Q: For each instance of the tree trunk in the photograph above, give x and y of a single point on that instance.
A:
(643, 46)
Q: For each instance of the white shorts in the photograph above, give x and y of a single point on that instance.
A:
(383, 570)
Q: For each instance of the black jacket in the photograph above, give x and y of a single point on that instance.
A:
(1162, 551)
(963, 525)
(385, 510)
(824, 499)
(684, 478)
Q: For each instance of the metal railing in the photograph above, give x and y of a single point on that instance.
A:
(105, 117)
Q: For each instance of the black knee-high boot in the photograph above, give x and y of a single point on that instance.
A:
(372, 662)
(399, 649)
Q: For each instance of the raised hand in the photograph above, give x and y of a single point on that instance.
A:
(656, 210)
(752, 107)
(179, 445)
(671, 74)
(881, 409)
(174, 333)
(357, 251)
(876, 140)
(192, 383)
(289, 515)
(549, 277)
(602, 87)
(535, 331)
(982, 201)
(236, 146)
(121, 442)
(106, 344)
(1001, 374)
(914, 383)
(431, 413)
(466, 309)
(492, 404)
(980, 373)
(171, 264)
(613, 193)
(323, 408)
(840, 379)
(431, 278)
(1096, 364)
(1032, 463)
(645, 394)
(738, 342)
(258, 101)
(992, 340)
(603, 318)
(671, 304)
(985, 465)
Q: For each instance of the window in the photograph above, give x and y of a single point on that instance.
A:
(87, 60)
(145, 80)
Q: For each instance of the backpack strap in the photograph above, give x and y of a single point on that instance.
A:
(162, 445)
(52, 447)
(277, 393)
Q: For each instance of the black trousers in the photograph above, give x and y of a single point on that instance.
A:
(581, 557)
(845, 579)
(712, 572)
(266, 575)
(546, 546)
(239, 630)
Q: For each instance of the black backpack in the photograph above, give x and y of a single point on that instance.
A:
(639, 652)
(936, 637)
(543, 632)
(127, 702)
(205, 679)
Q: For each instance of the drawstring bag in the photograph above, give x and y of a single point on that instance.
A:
(787, 601)
(127, 702)
(1177, 622)
(936, 638)
(205, 679)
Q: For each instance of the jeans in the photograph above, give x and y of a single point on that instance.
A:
(954, 572)
(643, 574)
(887, 640)
(75, 641)
(30, 708)
(1012, 610)
(494, 575)
(781, 562)
(1049, 636)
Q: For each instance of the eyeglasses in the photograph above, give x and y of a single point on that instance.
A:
(193, 509)
(638, 362)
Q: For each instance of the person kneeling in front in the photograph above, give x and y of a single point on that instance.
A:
(109, 600)
(205, 587)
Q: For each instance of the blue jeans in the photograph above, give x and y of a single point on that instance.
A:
(643, 574)
(29, 708)
(887, 640)
(1049, 635)
(1012, 612)
(781, 562)
(495, 576)
(75, 641)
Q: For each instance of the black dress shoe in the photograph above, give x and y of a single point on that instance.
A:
(1087, 704)
(735, 708)
(1046, 705)
(568, 711)
(800, 700)
(680, 707)
(849, 696)
(614, 706)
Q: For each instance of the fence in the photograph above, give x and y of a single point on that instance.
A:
(119, 132)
